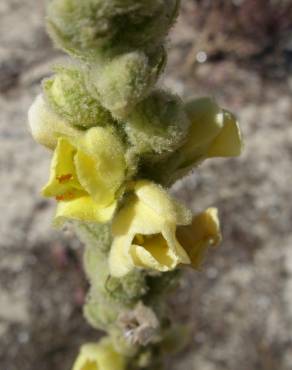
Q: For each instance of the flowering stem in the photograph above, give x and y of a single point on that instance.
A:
(117, 139)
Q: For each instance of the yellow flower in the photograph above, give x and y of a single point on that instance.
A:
(213, 133)
(152, 231)
(99, 356)
(144, 231)
(203, 232)
(46, 127)
(86, 175)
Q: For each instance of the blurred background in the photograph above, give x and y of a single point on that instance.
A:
(239, 307)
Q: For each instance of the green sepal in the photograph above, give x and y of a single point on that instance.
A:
(86, 29)
(67, 95)
(157, 126)
(121, 82)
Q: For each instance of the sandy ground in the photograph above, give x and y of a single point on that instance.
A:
(239, 306)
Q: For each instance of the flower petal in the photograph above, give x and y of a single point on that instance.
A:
(46, 126)
(158, 200)
(99, 356)
(136, 218)
(206, 122)
(100, 164)
(202, 233)
(169, 234)
(120, 261)
(63, 182)
(83, 209)
(229, 142)
(213, 133)
(154, 254)
(144, 231)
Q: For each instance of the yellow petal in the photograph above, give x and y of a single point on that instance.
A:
(83, 209)
(161, 252)
(46, 127)
(229, 141)
(202, 233)
(155, 253)
(158, 200)
(144, 231)
(120, 261)
(136, 218)
(63, 182)
(206, 122)
(213, 133)
(99, 356)
(100, 164)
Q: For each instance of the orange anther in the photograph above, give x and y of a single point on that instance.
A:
(64, 178)
(64, 197)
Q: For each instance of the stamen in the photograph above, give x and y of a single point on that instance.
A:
(64, 197)
(64, 178)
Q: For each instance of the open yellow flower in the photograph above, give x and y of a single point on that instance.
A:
(203, 232)
(144, 231)
(86, 174)
(152, 231)
(99, 356)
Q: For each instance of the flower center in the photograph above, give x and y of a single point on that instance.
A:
(156, 246)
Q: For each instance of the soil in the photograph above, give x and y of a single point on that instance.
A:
(239, 306)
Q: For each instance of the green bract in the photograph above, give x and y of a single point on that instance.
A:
(67, 95)
(157, 126)
(120, 83)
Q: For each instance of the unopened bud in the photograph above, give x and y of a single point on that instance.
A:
(67, 95)
(124, 81)
(158, 125)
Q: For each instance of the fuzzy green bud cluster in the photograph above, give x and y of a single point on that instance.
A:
(118, 142)
(88, 29)
(122, 43)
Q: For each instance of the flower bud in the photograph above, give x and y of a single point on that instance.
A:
(100, 311)
(214, 132)
(85, 28)
(46, 127)
(99, 356)
(125, 80)
(157, 126)
(67, 95)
